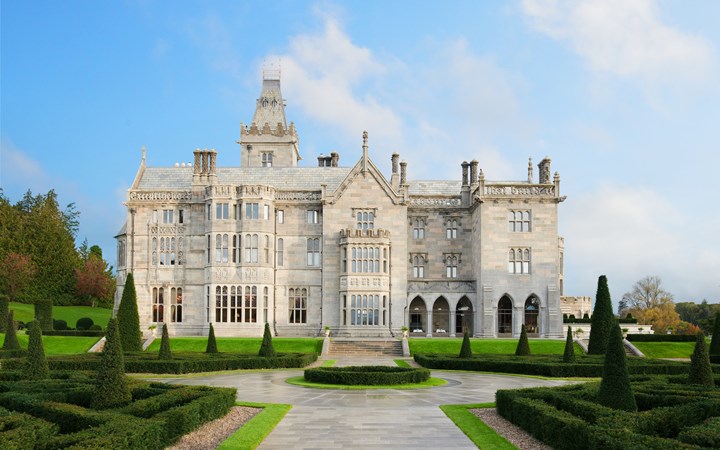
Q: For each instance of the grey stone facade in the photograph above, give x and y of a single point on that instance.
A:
(307, 247)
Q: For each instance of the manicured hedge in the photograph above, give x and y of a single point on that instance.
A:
(568, 417)
(584, 320)
(85, 333)
(136, 362)
(549, 365)
(660, 337)
(367, 375)
(43, 314)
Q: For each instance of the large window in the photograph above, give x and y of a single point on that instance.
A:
(418, 265)
(451, 229)
(280, 251)
(252, 211)
(169, 250)
(236, 304)
(367, 309)
(365, 259)
(280, 216)
(121, 253)
(297, 298)
(418, 229)
(176, 302)
(313, 216)
(250, 309)
(519, 221)
(168, 216)
(519, 260)
(451, 266)
(313, 252)
(222, 211)
(237, 248)
(158, 312)
(365, 220)
(221, 248)
(251, 248)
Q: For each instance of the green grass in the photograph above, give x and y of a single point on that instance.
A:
(402, 363)
(666, 349)
(242, 345)
(25, 312)
(482, 435)
(328, 363)
(300, 381)
(250, 435)
(451, 346)
(58, 345)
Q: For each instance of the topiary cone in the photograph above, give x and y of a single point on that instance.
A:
(266, 348)
(36, 365)
(111, 388)
(569, 353)
(602, 320)
(523, 347)
(615, 390)
(465, 349)
(211, 344)
(165, 352)
(700, 370)
(127, 318)
(11, 341)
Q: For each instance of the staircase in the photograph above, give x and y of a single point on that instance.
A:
(365, 347)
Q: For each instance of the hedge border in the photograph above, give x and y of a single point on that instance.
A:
(367, 375)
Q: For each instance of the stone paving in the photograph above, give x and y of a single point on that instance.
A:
(366, 419)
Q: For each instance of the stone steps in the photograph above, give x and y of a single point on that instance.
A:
(365, 348)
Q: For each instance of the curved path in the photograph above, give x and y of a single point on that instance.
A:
(366, 419)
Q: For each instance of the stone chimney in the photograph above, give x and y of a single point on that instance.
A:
(473, 172)
(403, 173)
(395, 177)
(465, 190)
(334, 159)
(530, 170)
(544, 169)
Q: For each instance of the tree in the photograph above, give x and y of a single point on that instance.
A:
(128, 319)
(647, 293)
(16, 273)
(111, 388)
(11, 341)
(663, 318)
(466, 349)
(569, 353)
(615, 390)
(165, 352)
(523, 346)
(36, 365)
(266, 348)
(622, 307)
(602, 319)
(4, 308)
(94, 284)
(700, 370)
(715, 342)
(211, 344)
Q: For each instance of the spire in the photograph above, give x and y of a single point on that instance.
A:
(270, 107)
(365, 150)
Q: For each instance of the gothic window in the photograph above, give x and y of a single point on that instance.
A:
(180, 257)
(208, 210)
(176, 300)
(155, 216)
(168, 216)
(252, 211)
(297, 298)
(365, 260)
(162, 251)
(121, 253)
(250, 310)
(235, 304)
(418, 265)
(267, 159)
(181, 216)
(265, 304)
(365, 220)
(344, 252)
(313, 216)
(280, 251)
(418, 229)
(519, 221)
(218, 248)
(451, 266)
(221, 304)
(222, 211)
(237, 248)
(519, 260)
(366, 310)
(207, 249)
(154, 252)
(313, 252)
(158, 305)
(451, 230)
(251, 248)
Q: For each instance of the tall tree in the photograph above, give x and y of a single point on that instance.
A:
(663, 318)
(602, 319)
(16, 273)
(128, 319)
(647, 293)
(94, 284)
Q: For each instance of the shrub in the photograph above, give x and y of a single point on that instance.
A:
(165, 352)
(23, 431)
(86, 333)
(660, 338)
(706, 434)
(266, 348)
(60, 325)
(715, 341)
(4, 308)
(111, 389)
(602, 319)
(94, 327)
(211, 343)
(43, 314)
(36, 365)
(84, 323)
(615, 390)
(523, 346)
(465, 349)
(569, 353)
(700, 370)
(367, 375)
(11, 341)
(128, 319)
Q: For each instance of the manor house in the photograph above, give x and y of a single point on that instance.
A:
(345, 247)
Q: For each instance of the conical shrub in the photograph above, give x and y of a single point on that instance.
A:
(211, 344)
(569, 353)
(111, 388)
(11, 341)
(523, 346)
(4, 308)
(715, 341)
(266, 348)
(36, 365)
(700, 369)
(127, 318)
(615, 390)
(602, 320)
(465, 349)
(165, 352)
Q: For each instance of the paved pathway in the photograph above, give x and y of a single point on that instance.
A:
(366, 419)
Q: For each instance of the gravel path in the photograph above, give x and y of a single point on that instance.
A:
(210, 435)
(513, 433)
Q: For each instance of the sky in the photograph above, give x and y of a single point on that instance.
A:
(623, 95)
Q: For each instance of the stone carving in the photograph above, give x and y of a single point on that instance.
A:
(365, 282)
(298, 196)
(520, 191)
(441, 286)
(250, 275)
(160, 196)
(222, 191)
(221, 275)
(436, 202)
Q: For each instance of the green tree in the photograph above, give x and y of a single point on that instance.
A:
(466, 349)
(36, 365)
(11, 341)
(700, 369)
(211, 344)
(43, 314)
(569, 353)
(128, 319)
(165, 352)
(615, 390)
(266, 348)
(715, 342)
(16, 273)
(111, 388)
(602, 319)
(523, 346)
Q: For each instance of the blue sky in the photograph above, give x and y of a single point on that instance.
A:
(622, 95)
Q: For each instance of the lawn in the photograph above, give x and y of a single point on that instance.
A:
(667, 349)
(482, 435)
(250, 435)
(58, 345)
(25, 312)
(242, 345)
(451, 346)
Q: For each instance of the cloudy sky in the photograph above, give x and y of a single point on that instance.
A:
(623, 95)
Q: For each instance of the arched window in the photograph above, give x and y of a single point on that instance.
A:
(505, 315)
(532, 309)
(297, 298)
(250, 311)
(158, 305)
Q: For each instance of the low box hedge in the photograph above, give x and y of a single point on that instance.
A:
(661, 337)
(367, 375)
(20, 431)
(76, 333)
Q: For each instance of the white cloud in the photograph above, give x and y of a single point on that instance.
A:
(625, 38)
(16, 167)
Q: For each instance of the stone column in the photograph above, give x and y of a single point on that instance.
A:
(428, 331)
(451, 323)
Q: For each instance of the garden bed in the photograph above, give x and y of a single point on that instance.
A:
(367, 375)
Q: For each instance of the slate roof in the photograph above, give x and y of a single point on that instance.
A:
(435, 187)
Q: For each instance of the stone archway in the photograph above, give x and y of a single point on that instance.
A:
(504, 316)
(417, 319)
(532, 310)
(464, 317)
(441, 317)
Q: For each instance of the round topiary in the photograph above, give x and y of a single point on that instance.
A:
(60, 325)
(95, 327)
(84, 323)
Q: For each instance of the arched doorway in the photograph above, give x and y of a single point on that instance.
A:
(441, 317)
(418, 315)
(505, 316)
(464, 317)
(532, 308)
